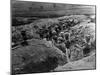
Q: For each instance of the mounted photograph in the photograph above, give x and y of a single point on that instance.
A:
(52, 37)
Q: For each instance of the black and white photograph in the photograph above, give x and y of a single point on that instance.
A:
(52, 37)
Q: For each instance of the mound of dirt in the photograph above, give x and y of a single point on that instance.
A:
(36, 57)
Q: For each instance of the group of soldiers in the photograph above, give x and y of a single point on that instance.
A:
(55, 30)
(58, 33)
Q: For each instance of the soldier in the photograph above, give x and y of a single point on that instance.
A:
(61, 45)
(86, 50)
(53, 33)
(61, 34)
(67, 36)
(55, 38)
(47, 36)
(88, 39)
(24, 37)
(87, 47)
(67, 44)
(50, 34)
(40, 32)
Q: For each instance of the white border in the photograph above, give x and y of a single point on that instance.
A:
(5, 36)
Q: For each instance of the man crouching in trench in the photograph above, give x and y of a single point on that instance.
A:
(61, 45)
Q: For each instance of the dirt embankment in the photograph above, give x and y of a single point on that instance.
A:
(83, 64)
